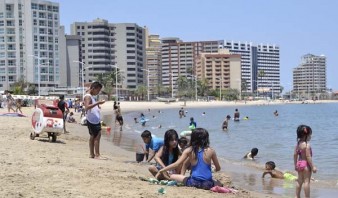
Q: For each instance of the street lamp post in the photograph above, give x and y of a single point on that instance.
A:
(39, 75)
(82, 70)
(147, 81)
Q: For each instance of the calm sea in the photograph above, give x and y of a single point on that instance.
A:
(275, 137)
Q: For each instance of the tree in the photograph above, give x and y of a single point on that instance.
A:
(108, 80)
(204, 87)
(19, 86)
(141, 91)
(261, 74)
(182, 86)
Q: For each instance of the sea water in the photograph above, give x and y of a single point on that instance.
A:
(274, 136)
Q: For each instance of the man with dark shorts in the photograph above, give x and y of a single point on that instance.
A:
(62, 105)
(94, 119)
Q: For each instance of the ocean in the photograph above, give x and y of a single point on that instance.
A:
(274, 136)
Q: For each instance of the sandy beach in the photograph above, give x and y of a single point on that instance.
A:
(38, 168)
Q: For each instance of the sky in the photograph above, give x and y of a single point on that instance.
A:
(298, 27)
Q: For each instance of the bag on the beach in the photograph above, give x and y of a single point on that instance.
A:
(301, 164)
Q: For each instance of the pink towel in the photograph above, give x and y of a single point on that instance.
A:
(222, 189)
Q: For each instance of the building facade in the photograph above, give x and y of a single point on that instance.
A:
(107, 46)
(179, 59)
(71, 45)
(222, 70)
(309, 78)
(29, 43)
(260, 66)
(153, 70)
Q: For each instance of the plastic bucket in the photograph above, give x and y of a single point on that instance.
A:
(139, 157)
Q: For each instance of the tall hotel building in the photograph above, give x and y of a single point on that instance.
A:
(153, 70)
(29, 49)
(221, 69)
(260, 65)
(179, 59)
(309, 78)
(105, 46)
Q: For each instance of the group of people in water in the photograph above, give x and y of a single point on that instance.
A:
(176, 155)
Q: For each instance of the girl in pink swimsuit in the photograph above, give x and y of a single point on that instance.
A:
(303, 153)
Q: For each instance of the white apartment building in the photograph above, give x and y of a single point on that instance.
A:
(260, 65)
(179, 59)
(106, 46)
(309, 78)
(29, 43)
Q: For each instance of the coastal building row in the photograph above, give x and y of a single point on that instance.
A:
(35, 47)
(309, 78)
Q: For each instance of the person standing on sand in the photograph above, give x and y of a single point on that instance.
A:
(10, 101)
(93, 119)
(63, 106)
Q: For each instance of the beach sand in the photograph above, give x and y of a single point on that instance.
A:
(38, 168)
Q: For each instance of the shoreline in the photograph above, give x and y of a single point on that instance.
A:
(63, 169)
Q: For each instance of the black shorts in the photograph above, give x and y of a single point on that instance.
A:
(94, 129)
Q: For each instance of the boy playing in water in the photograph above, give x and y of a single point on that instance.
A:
(270, 169)
(251, 155)
(151, 142)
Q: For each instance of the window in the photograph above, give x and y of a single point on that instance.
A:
(8, 7)
(2, 47)
(2, 31)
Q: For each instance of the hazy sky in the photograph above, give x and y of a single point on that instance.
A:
(297, 26)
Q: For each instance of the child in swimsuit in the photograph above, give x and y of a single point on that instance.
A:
(270, 169)
(200, 156)
(303, 152)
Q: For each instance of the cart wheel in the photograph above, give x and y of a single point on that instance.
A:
(54, 138)
(32, 136)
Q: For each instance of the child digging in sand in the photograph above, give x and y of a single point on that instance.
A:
(167, 155)
(152, 143)
(200, 156)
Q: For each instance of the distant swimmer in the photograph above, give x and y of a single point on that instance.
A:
(203, 114)
(226, 123)
(275, 113)
(181, 113)
(236, 115)
(246, 118)
(251, 155)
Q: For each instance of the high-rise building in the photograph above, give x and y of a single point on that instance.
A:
(70, 70)
(153, 70)
(107, 46)
(29, 47)
(260, 66)
(179, 59)
(222, 69)
(309, 78)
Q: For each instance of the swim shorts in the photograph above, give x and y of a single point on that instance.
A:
(94, 129)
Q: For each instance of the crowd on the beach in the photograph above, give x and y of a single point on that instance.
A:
(176, 154)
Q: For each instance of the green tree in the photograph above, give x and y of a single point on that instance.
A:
(203, 86)
(182, 86)
(108, 80)
(261, 74)
(141, 91)
(19, 86)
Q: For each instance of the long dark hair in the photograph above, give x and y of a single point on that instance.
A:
(169, 135)
(199, 140)
(303, 131)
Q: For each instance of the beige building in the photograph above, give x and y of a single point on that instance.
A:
(222, 69)
(153, 70)
(309, 78)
